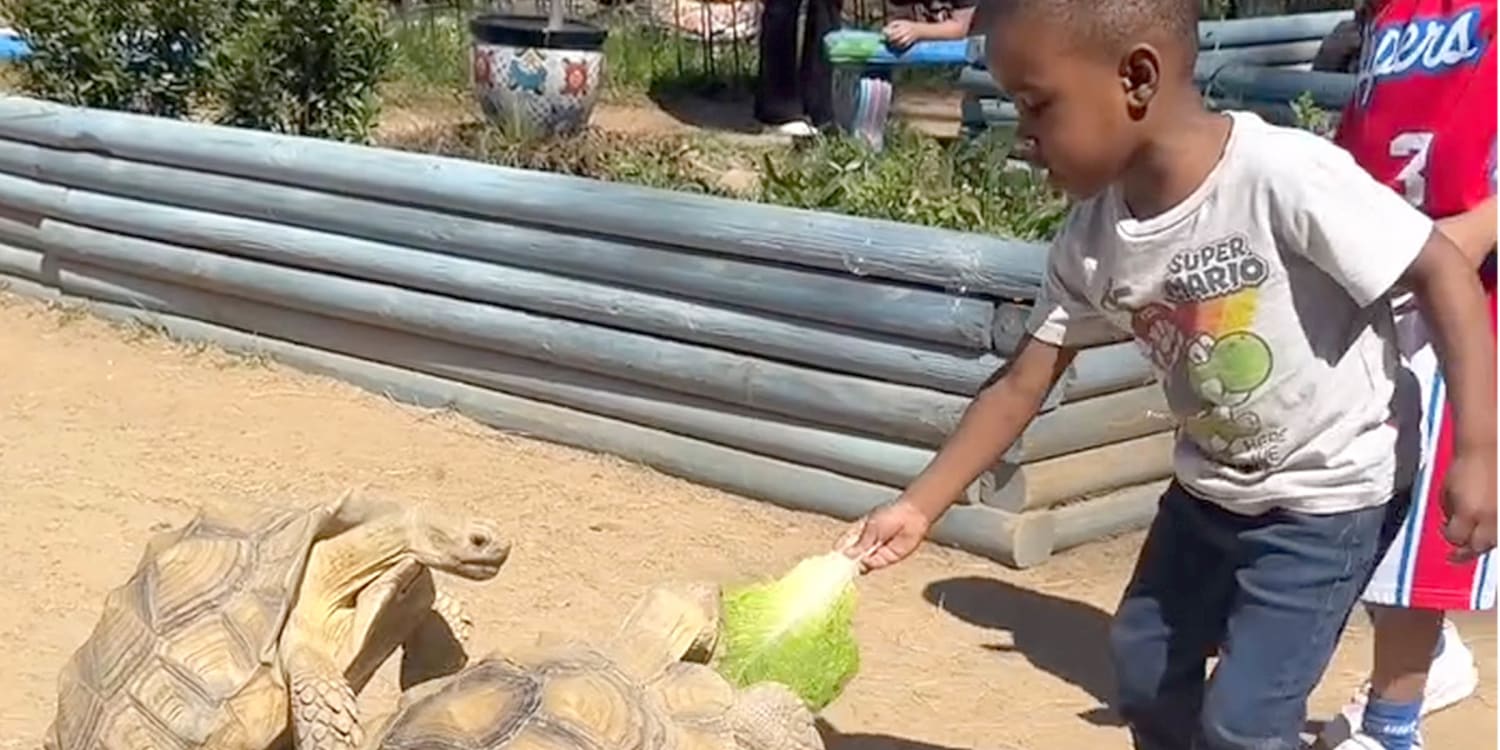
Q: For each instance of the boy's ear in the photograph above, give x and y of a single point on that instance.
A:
(1140, 76)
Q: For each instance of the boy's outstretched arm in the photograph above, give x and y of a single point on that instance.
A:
(990, 424)
(1454, 306)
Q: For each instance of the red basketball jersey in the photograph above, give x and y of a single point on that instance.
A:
(1422, 117)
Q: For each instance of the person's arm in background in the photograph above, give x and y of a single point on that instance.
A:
(1339, 52)
(906, 33)
(1473, 231)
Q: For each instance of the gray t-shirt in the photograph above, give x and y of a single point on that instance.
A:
(1262, 301)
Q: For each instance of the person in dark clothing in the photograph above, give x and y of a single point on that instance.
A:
(795, 95)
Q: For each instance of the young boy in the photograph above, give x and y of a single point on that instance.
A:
(1422, 121)
(1254, 265)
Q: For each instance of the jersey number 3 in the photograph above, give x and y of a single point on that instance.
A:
(1413, 176)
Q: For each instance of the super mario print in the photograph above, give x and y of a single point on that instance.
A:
(1202, 338)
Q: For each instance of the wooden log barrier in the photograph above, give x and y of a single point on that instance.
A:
(1245, 83)
(840, 299)
(1096, 371)
(1009, 328)
(904, 413)
(1290, 27)
(860, 457)
(1014, 540)
(978, 81)
(21, 263)
(901, 413)
(788, 340)
(1118, 512)
(949, 260)
(1054, 481)
(1101, 370)
(1233, 32)
(1093, 422)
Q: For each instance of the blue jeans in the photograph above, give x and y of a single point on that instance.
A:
(1269, 593)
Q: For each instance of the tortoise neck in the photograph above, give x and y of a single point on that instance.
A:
(342, 565)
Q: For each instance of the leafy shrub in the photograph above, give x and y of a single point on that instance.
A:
(146, 56)
(309, 67)
(919, 180)
(1311, 117)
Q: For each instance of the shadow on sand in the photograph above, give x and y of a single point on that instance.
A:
(836, 740)
(1067, 638)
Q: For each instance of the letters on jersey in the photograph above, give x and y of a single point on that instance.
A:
(1418, 46)
(1422, 116)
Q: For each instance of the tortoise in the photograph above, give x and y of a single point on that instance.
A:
(649, 687)
(250, 627)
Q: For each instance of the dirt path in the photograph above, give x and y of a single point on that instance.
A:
(931, 112)
(108, 433)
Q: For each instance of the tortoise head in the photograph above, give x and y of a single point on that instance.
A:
(440, 538)
(466, 546)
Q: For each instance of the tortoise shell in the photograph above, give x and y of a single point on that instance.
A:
(572, 697)
(191, 636)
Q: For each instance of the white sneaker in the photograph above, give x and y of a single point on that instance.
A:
(1453, 677)
(1363, 742)
(797, 129)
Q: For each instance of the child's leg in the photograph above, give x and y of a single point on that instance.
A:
(1298, 577)
(1168, 623)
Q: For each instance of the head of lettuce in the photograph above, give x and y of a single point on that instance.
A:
(796, 630)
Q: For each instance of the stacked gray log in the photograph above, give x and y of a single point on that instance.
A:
(807, 359)
(1259, 64)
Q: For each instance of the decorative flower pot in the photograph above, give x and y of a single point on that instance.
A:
(543, 81)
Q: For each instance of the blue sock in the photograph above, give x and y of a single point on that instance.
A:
(1393, 725)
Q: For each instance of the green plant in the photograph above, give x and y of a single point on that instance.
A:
(1309, 116)
(148, 56)
(646, 59)
(673, 162)
(430, 58)
(917, 179)
(307, 67)
(796, 630)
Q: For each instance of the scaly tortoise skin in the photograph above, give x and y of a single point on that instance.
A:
(250, 627)
(647, 688)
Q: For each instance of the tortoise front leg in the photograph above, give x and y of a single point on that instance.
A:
(403, 608)
(769, 716)
(435, 647)
(325, 715)
(385, 613)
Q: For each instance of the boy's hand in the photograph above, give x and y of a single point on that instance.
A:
(1469, 504)
(902, 33)
(888, 535)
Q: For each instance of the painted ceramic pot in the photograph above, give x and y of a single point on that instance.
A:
(543, 81)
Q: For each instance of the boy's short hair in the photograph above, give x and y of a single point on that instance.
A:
(1113, 25)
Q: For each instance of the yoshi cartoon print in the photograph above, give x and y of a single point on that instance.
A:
(1202, 336)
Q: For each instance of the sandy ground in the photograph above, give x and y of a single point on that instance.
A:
(107, 433)
(935, 113)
